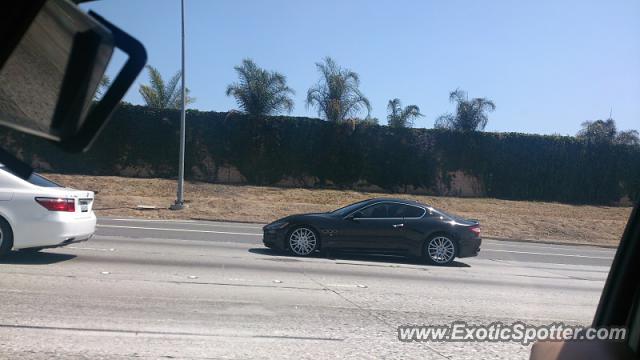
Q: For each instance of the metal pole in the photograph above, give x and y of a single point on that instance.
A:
(179, 204)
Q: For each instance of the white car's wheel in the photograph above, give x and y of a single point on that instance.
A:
(303, 241)
(6, 237)
(441, 249)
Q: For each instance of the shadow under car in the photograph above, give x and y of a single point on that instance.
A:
(355, 256)
(34, 258)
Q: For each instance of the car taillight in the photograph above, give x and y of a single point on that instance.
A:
(57, 204)
(475, 229)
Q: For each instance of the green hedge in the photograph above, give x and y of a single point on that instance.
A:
(266, 150)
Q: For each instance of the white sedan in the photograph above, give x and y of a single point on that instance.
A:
(37, 213)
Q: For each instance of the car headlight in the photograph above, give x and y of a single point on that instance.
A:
(278, 225)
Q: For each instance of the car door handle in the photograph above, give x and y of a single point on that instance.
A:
(398, 226)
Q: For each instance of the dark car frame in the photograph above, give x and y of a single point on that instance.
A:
(394, 226)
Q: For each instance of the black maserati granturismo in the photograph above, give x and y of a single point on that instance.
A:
(380, 226)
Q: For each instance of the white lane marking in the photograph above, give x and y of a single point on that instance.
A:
(89, 248)
(547, 254)
(157, 220)
(545, 246)
(348, 285)
(190, 222)
(177, 230)
(166, 241)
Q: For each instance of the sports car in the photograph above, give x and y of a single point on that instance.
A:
(380, 225)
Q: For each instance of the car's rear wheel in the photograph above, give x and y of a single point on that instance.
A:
(441, 249)
(303, 241)
(6, 237)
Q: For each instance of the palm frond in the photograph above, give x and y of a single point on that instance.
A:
(150, 96)
(336, 96)
(401, 117)
(470, 115)
(162, 96)
(457, 96)
(104, 84)
(260, 92)
(157, 84)
(173, 93)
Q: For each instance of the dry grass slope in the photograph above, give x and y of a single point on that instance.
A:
(521, 220)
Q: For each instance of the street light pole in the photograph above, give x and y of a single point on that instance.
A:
(179, 204)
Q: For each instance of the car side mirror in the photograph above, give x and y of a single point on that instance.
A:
(52, 62)
(354, 216)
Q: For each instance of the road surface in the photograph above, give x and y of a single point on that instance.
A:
(207, 290)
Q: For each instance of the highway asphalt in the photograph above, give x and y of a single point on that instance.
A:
(194, 289)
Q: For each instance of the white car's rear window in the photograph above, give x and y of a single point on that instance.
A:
(35, 179)
(40, 180)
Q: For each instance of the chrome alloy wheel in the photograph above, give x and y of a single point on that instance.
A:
(302, 241)
(441, 250)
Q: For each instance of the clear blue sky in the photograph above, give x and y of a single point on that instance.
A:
(548, 65)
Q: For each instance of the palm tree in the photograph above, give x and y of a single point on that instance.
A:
(260, 92)
(401, 117)
(163, 96)
(605, 131)
(103, 85)
(471, 115)
(598, 131)
(336, 95)
(628, 137)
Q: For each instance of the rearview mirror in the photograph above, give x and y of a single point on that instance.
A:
(50, 74)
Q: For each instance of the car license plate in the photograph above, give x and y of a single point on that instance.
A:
(84, 205)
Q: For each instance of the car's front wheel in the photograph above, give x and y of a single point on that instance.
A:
(441, 249)
(303, 241)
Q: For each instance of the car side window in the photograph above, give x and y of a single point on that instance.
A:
(406, 211)
(397, 210)
(378, 211)
(431, 213)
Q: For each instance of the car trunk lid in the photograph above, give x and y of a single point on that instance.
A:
(83, 200)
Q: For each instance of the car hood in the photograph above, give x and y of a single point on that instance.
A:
(307, 215)
(297, 217)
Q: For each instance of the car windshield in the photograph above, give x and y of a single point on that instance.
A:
(346, 210)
